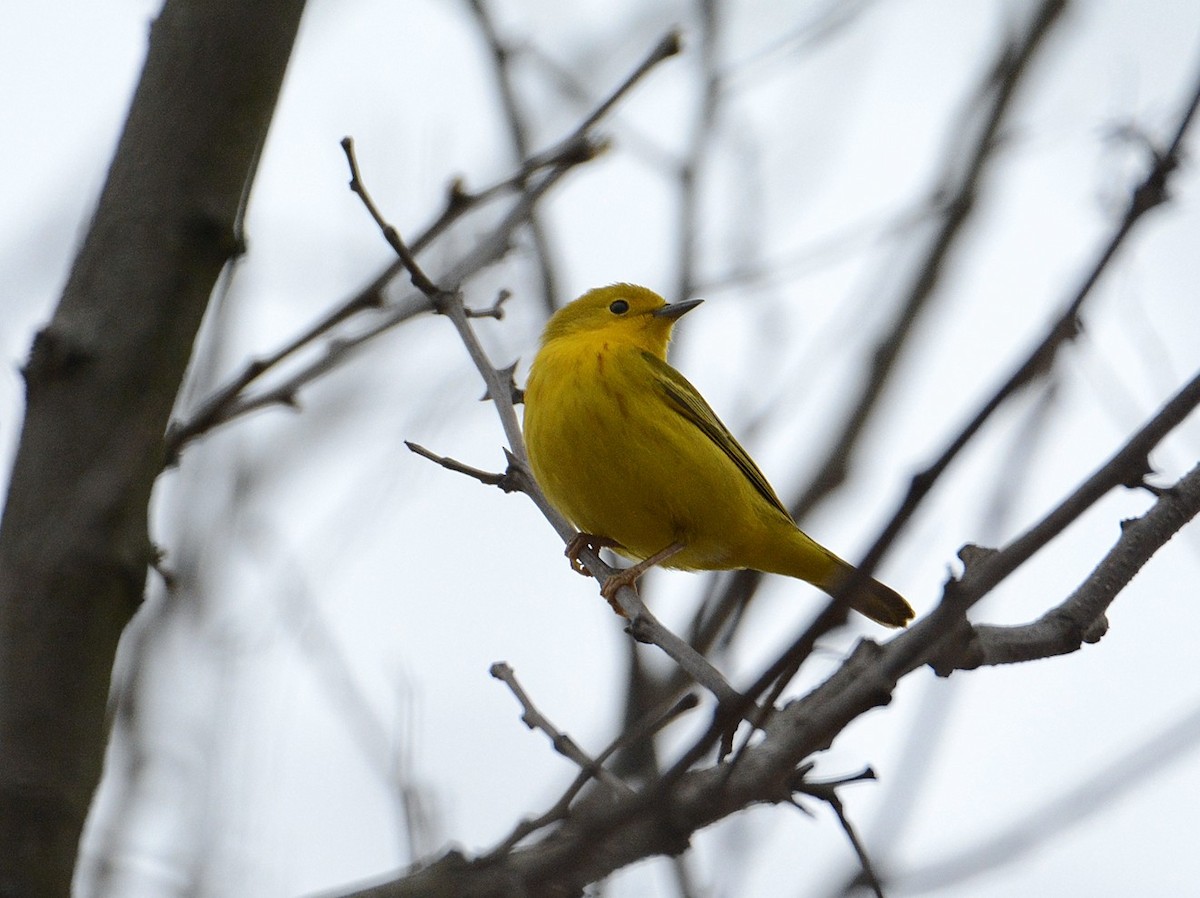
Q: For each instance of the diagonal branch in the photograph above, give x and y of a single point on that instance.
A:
(956, 199)
(601, 836)
(1080, 618)
(639, 731)
(1149, 194)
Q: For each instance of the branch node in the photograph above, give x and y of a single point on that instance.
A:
(827, 792)
(1095, 630)
(515, 478)
(495, 310)
(640, 630)
(457, 196)
(515, 394)
(959, 649)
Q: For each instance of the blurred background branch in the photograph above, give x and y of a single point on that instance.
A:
(877, 201)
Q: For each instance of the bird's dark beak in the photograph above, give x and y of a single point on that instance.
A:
(675, 309)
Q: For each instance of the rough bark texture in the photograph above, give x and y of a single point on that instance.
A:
(100, 382)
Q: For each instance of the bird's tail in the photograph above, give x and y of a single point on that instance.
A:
(880, 603)
(802, 557)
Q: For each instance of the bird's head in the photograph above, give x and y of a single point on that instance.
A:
(621, 313)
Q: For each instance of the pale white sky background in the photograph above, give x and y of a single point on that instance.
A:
(344, 599)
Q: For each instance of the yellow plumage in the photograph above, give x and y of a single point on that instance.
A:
(630, 452)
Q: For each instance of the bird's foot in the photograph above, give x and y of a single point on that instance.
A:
(614, 582)
(581, 541)
(630, 575)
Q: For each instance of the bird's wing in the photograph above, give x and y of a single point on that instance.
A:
(686, 399)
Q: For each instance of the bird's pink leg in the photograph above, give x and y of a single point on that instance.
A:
(629, 576)
(581, 541)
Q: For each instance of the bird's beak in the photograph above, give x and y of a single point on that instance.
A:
(675, 309)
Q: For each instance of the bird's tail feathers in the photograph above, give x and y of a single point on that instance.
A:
(877, 601)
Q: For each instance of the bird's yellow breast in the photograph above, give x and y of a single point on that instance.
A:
(614, 457)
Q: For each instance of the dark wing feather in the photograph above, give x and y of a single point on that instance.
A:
(686, 399)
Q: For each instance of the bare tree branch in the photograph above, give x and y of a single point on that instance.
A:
(231, 401)
(562, 742)
(100, 382)
(640, 730)
(956, 199)
(485, 477)
(518, 132)
(601, 837)
(1080, 619)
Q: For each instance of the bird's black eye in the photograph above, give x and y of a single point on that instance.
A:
(619, 307)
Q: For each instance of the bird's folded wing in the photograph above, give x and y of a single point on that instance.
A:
(686, 399)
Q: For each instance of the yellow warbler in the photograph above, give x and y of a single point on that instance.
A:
(631, 453)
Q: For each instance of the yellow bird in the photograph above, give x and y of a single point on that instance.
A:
(631, 453)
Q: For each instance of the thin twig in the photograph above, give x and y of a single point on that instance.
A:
(228, 403)
(504, 481)
(495, 310)
(420, 280)
(827, 792)
(563, 744)
(669, 45)
(640, 731)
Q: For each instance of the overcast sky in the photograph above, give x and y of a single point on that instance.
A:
(343, 599)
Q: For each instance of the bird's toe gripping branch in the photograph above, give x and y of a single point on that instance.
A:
(581, 541)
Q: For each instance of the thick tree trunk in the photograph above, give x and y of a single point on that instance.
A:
(100, 383)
